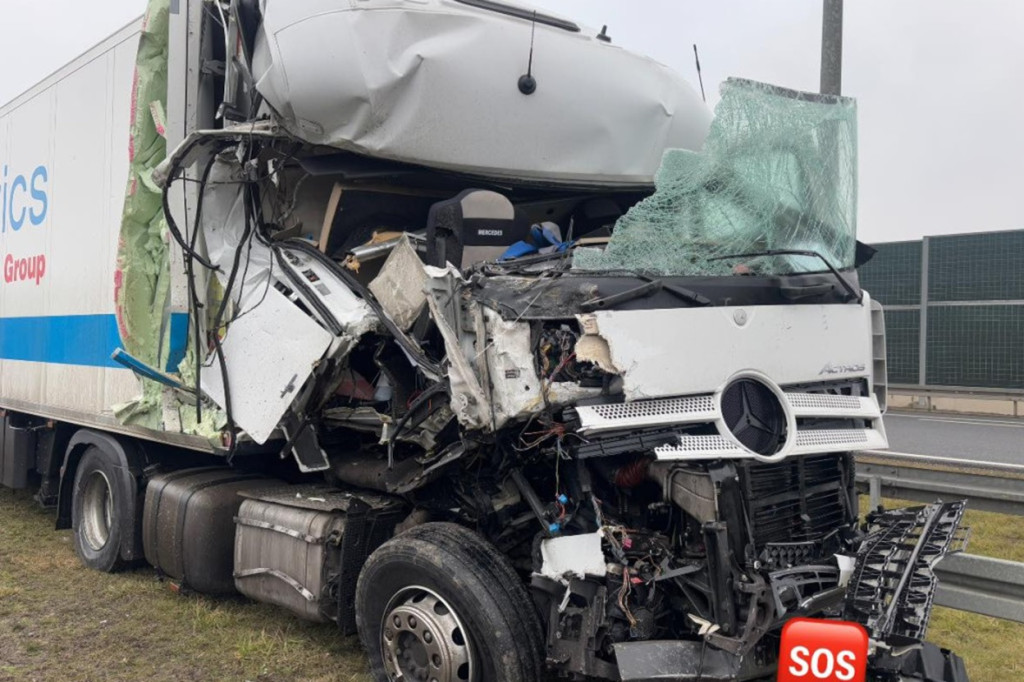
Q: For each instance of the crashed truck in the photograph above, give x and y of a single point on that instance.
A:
(454, 324)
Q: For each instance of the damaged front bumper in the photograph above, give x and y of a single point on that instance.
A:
(890, 592)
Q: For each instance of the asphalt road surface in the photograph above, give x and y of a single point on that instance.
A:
(983, 439)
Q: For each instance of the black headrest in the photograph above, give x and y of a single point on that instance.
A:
(481, 220)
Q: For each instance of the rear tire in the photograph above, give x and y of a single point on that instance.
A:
(99, 510)
(440, 603)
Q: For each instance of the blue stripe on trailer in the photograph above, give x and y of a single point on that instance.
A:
(86, 340)
(61, 340)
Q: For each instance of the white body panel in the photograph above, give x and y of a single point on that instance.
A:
(58, 328)
(435, 82)
(714, 344)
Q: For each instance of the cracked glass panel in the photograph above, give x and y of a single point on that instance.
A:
(778, 172)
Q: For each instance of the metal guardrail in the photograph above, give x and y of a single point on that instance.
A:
(968, 391)
(991, 587)
(986, 486)
(955, 400)
(977, 584)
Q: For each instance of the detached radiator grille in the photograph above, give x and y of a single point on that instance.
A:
(800, 499)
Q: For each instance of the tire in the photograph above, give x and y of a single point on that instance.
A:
(100, 509)
(472, 619)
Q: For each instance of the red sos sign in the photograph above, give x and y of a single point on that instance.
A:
(823, 651)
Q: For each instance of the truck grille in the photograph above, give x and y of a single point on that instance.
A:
(826, 420)
(801, 499)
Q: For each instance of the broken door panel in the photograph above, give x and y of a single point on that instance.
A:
(269, 353)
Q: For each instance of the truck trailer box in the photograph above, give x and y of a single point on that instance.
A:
(64, 154)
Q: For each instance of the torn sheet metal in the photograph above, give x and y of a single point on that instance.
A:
(528, 298)
(351, 312)
(575, 556)
(357, 418)
(517, 389)
(369, 420)
(426, 432)
(469, 401)
(436, 83)
(399, 286)
(270, 353)
(594, 348)
(200, 143)
(223, 230)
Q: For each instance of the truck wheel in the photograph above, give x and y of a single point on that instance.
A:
(438, 603)
(99, 507)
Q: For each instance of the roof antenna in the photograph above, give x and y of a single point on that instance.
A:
(527, 83)
(700, 78)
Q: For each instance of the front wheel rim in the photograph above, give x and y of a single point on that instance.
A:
(97, 511)
(423, 639)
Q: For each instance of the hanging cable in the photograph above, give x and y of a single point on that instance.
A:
(190, 275)
(219, 317)
(172, 225)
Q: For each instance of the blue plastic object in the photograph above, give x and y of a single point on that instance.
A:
(122, 357)
(543, 238)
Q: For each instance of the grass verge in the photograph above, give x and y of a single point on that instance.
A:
(61, 621)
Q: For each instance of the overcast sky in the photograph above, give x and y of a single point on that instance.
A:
(940, 84)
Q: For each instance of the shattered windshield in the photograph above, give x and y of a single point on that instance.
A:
(778, 172)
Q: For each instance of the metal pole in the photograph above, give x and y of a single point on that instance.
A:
(922, 341)
(874, 492)
(832, 48)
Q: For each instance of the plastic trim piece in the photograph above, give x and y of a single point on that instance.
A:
(253, 523)
(706, 409)
(290, 581)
